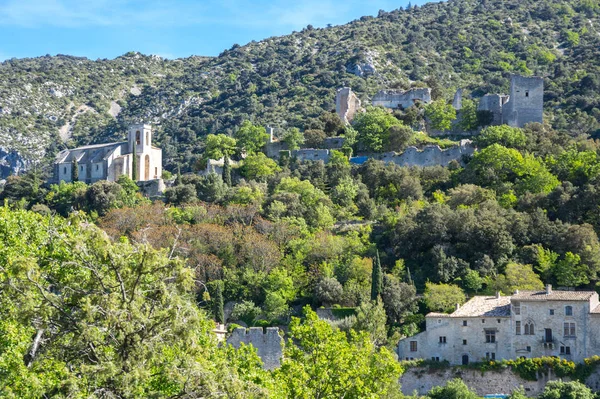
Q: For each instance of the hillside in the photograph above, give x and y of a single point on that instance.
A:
(285, 81)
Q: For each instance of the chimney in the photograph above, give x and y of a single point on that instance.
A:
(497, 294)
(457, 306)
(516, 292)
(548, 289)
(270, 133)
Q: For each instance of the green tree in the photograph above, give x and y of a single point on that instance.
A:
(570, 272)
(566, 390)
(517, 277)
(293, 138)
(227, 172)
(440, 115)
(443, 297)
(468, 116)
(370, 317)
(247, 312)
(504, 135)
(376, 279)
(373, 128)
(454, 389)
(134, 164)
(259, 167)
(218, 304)
(321, 362)
(74, 170)
(251, 138)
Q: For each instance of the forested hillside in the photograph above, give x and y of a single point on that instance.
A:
(286, 81)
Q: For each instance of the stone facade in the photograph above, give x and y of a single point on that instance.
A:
(401, 99)
(347, 104)
(269, 344)
(524, 105)
(109, 161)
(527, 324)
(422, 380)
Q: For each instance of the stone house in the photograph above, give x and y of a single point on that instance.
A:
(527, 324)
(109, 161)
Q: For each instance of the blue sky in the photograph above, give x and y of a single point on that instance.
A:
(169, 28)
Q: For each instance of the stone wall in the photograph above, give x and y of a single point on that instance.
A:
(152, 188)
(431, 155)
(347, 104)
(401, 99)
(493, 103)
(269, 344)
(422, 380)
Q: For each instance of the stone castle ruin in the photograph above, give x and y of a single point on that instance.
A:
(347, 104)
(524, 105)
(269, 344)
(401, 99)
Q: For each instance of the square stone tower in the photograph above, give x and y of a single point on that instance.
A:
(526, 102)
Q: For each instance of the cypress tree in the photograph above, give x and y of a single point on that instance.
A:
(178, 181)
(134, 164)
(219, 312)
(226, 171)
(74, 170)
(376, 279)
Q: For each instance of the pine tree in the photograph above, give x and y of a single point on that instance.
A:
(376, 279)
(219, 312)
(134, 164)
(74, 170)
(227, 171)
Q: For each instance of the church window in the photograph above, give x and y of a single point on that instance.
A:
(518, 327)
(65, 170)
(529, 329)
(137, 137)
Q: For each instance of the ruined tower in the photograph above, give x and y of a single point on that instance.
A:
(526, 102)
(347, 104)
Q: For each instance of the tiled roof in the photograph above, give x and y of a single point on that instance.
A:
(553, 296)
(481, 306)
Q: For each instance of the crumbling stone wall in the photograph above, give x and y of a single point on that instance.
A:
(269, 344)
(494, 104)
(347, 104)
(431, 155)
(401, 99)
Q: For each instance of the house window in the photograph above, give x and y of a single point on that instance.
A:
(81, 168)
(568, 310)
(464, 323)
(527, 93)
(529, 329)
(569, 329)
(529, 349)
(439, 321)
(442, 340)
(65, 170)
(483, 320)
(413, 346)
(517, 308)
(490, 355)
(518, 327)
(155, 172)
(464, 341)
(435, 358)
(565, 350)
(490, 336)
(498, 320)
(551, 312)
(97, 167)
(147, 138)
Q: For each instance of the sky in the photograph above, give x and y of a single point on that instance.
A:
(168, 28)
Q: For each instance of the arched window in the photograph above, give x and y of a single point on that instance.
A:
(529, 328)
(147, 138)
(568, 310)
(137, 137)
